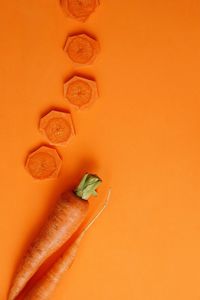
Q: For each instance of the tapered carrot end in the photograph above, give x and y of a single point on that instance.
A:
(13, 293)
(80, 92)
(82, 49)
(10, 297)
(57, 127)
(79, 9)
(44, 163)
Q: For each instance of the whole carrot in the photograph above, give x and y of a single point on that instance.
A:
(44, 288)
(69, 213)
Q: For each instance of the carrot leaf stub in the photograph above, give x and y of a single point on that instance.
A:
(87, 187)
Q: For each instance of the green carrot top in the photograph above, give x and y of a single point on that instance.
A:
(87, 187)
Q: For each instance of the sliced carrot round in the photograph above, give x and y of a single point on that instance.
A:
(82, 49)
(80, 92)
(79, 9)
(57, 126)
(43, 163)
(58, 130)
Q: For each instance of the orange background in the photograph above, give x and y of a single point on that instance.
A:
(141, 137)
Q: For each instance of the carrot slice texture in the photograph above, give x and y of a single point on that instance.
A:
(57, 126)
(79, 9)
(82, 49)
(44, 163)
(80, 92)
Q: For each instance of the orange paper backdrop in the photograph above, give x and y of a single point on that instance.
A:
(141, 137)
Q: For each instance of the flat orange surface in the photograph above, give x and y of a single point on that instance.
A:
(141, 136)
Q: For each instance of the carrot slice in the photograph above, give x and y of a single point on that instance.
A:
(44, 163)
(80, 92)
(79, 9)
(57, 126)
(82, 49)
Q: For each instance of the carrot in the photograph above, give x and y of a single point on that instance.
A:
(82, 49)
(57, 126)
(44, 163)
(80, 92)
(69, 213)
(79, 9)
(44, 288)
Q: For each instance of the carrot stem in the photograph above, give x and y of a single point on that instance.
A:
(87, 187)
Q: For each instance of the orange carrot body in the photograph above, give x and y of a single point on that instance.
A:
(45, 287)
(69, 213)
